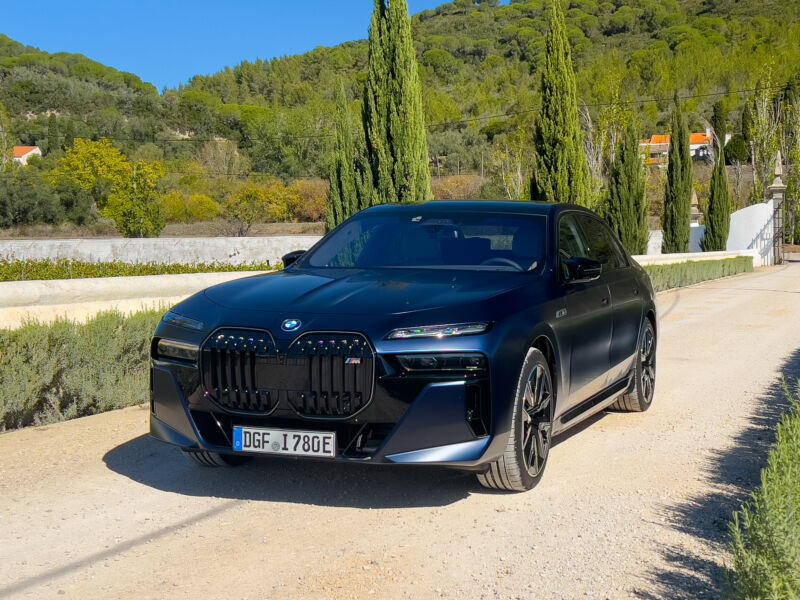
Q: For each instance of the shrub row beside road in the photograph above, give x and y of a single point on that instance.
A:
(23, 270)
(766, 532)
(664, 277)
(667, 277)
(64, 370)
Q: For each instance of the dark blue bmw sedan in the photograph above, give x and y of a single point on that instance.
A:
(461, 334)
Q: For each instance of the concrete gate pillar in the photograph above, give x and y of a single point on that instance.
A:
(776, 192)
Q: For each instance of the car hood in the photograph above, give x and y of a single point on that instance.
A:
(356, 291)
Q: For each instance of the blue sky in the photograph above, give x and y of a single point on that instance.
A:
(165, 42)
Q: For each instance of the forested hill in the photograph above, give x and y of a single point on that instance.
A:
(478, 59)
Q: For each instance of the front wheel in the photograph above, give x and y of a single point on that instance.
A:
(522, 464)
(640, 396)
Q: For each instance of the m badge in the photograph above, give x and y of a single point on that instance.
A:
(352, 361)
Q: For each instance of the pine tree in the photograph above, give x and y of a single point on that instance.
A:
(626, 210)
(718, 213)
(351, 178)
(394, 124)
(676, 218)
(561, 173)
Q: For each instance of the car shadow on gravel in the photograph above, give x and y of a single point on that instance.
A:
(735, 473)
(163, 467)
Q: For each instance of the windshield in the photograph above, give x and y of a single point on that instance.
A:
(508, 242)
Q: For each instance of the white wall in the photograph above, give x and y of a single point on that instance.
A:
(751, 229)
(232, 250)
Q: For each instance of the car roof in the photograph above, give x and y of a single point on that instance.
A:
(478, 206)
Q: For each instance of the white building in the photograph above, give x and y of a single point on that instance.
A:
(24, 153)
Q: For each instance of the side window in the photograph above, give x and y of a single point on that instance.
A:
(601, 244)
(570, 242)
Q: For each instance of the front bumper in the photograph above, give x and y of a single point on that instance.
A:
(409, 421)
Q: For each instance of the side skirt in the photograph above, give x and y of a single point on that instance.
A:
(594, 404)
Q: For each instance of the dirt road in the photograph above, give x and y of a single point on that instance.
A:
(631, 505)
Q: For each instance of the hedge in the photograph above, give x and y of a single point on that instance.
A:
(666, 277)
(766, 532)
(65, 370)
(18, 270)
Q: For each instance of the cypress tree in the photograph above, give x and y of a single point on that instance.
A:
(561, 172)
(676, 218)
(747, 122)
(69, 136)
(53, 140)
(394, 124)
(719, 120)
(343, 182)
(626, 211)
(718, 213)
(351, 178)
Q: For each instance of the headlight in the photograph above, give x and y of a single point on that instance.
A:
(177, 350)
(438, 331)
(181, 321)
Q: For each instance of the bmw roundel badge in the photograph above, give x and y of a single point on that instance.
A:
(291, 324)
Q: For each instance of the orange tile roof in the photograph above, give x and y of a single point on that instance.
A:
(20, 151)
(694, 138)
(699, 138)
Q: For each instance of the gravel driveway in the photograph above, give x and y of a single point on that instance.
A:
(631, 505)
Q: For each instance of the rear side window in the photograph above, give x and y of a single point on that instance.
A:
(601, 244)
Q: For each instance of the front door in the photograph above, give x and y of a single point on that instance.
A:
(589, 319)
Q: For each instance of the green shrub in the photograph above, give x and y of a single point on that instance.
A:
(17, 270)
(766, 532)
(65, 370)
(666, 277)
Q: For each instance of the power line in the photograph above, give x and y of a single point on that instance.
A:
(600, 104)
(442, 124)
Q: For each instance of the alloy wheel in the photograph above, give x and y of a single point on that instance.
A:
(536, 423)
(647, 357)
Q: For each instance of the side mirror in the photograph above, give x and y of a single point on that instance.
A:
(291, 257)
(583, 269)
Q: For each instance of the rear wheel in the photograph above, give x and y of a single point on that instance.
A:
(522, 464)
(214, 459)
(640, 396)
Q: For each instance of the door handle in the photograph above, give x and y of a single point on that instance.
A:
(604, 302)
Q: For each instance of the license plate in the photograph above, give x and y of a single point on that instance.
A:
(288, 442)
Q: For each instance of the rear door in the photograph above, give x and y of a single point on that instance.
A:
(588, 318)
(626, 299)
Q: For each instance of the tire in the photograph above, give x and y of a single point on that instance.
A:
(213, 459)
(522, 464)
(639, 397)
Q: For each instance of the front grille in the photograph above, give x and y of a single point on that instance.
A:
(321, 375)
(231, 360)
(339, 371)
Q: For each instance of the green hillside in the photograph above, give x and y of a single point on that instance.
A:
(478, 59)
